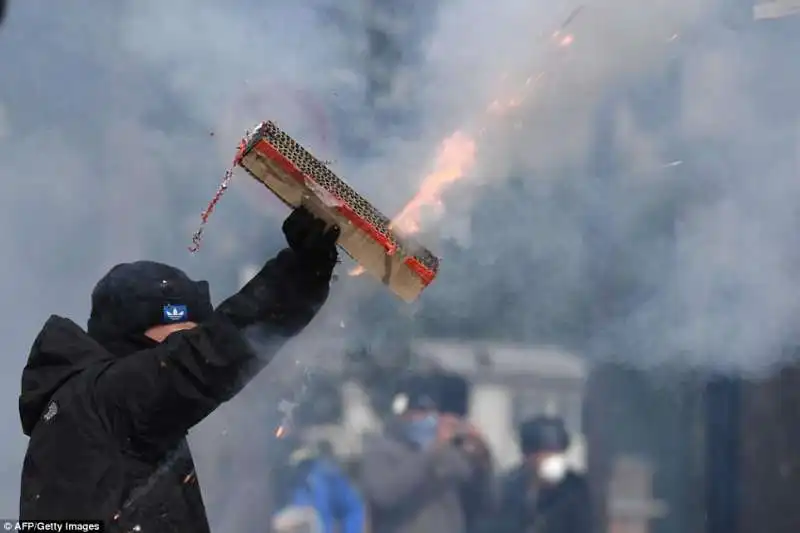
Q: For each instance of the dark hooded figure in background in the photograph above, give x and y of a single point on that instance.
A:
(107, 411)
(543, 495)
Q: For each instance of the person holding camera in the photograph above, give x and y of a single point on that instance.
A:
(477, 494)
(413, 476)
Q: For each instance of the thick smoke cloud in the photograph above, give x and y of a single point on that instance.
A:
(638, 204)
(645, 197)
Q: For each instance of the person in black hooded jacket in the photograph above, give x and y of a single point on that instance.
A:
(107, 410)
(543, 495)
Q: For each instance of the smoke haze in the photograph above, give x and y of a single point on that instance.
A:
(638, 203)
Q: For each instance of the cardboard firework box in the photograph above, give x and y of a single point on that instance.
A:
(298, 178)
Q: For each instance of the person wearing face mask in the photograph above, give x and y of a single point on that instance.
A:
(543, 495)
(411, 476)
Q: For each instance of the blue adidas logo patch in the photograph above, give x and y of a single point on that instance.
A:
(175, 313)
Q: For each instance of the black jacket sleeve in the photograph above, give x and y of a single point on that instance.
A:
(513, 509)
(479, 494)
(581, 516)
(562, 509)
(156, 395)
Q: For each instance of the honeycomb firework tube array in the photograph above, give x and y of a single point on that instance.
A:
(298, 178)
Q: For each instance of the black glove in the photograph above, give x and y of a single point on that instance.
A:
(314, 244)
(287, 292)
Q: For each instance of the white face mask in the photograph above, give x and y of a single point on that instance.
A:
(553, 468)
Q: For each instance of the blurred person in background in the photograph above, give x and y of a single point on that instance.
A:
(477, 495)
(325, 449)
(107, 410)
(543, 495)
(414, 474)
(311, 491)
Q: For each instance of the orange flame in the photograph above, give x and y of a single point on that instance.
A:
(456, 155)
(455, 158)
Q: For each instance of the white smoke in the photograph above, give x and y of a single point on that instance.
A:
(119, 119)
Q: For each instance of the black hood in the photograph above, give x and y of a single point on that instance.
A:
(133, 297)
(543, 433)
(452, 393)
(61, 350)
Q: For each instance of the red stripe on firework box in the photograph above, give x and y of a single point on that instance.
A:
(298, 178)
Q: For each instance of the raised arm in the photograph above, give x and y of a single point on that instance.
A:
(160, 393)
